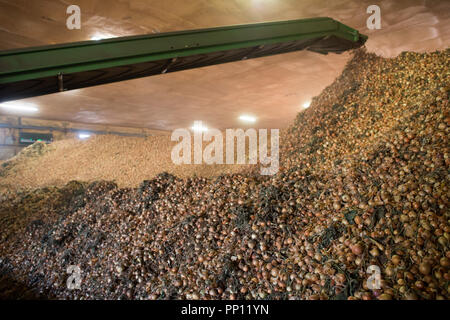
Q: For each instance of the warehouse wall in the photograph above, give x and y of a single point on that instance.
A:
(9, 138)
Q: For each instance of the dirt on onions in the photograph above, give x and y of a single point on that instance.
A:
(364, 181)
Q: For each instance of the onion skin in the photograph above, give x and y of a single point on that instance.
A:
(363, 182)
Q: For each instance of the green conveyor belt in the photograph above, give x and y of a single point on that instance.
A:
(38, 71)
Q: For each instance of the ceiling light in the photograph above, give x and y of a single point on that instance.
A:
(198, 127)
(306, 104)
(84, 136)
(101, 36)
(246, 118)
(17, 106)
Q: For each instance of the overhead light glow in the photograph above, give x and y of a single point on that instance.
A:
(198, 127)
(246, 118)
(17, 106)
(84, 136)
(306, 104)
(101, 36)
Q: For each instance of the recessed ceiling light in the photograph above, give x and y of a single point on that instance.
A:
(17, 106)
(198, 127)
(306, 104)
(101, 36)
(247, 118)
(84, 136)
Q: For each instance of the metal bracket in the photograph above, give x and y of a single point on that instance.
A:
(61, 82)
(168, 65)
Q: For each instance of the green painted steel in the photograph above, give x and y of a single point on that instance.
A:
(42, 70)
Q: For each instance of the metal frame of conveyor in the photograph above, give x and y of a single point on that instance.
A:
(71, 130)
(38, 71)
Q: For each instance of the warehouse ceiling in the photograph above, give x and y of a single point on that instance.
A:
(273, 89)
